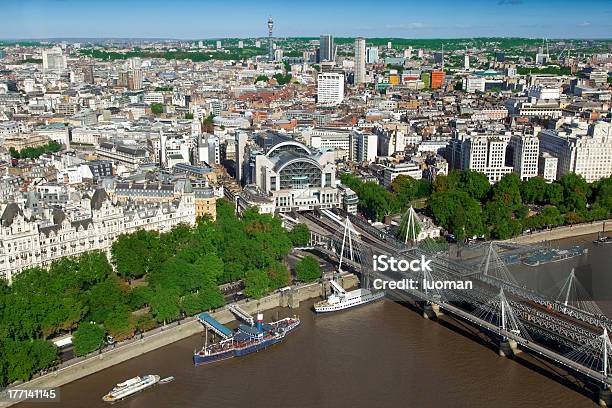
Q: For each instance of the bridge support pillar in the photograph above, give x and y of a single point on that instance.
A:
(294, 301)
(605, 397)
(514, 347)
(505, 349)
(437, 310)
(428, 311)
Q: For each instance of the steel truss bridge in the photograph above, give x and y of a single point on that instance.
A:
(571, 332)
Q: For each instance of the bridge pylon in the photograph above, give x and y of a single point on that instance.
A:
(348, 228)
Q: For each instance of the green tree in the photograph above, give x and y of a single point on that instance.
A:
(87, 338)
(533, 190)
(165, 305)
(137, 254)
(299, 235)
(457, 212)
(189, 115)
(307, 269)
(261, 78)
(553, 194)
(474, 183)
(256, 283)
(23, 359)
(405, 189)
(157, 108)
(278, 274)
(575, 192)
(508, 190)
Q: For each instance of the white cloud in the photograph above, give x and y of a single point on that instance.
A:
(405, 26)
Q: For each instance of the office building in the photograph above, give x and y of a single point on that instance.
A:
(589, 155)
(473, 84)
(371, 55)
(330, 88)
(547, 167)
(54, 60)
(360, 60)
(524, 150)
(326, 48)
(393, 170)
(439, 58)
(466, 62)
(437, 79)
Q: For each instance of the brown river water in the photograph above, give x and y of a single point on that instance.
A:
(379, 355)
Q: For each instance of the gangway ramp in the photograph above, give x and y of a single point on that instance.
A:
(212, 323)
(241, 314)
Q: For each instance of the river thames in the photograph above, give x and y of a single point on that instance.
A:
(380, 355)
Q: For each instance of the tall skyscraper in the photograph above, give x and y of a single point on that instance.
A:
(360, 57)
(466, 62)
(326, 48)
(270, 48)
(439, 58)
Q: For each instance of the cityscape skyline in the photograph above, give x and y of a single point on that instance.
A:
(36, 19)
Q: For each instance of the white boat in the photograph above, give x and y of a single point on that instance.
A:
(341, 299)
(166, 380)
(131, 386)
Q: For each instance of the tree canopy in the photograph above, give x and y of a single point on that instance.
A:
(308, 269)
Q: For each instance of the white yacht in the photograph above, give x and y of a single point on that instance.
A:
(131, 386)
(341, 299)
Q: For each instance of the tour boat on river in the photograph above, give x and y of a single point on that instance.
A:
(131, 386)
(244, 340)
(341, 299)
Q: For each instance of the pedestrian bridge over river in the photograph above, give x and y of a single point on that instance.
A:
(569, 330)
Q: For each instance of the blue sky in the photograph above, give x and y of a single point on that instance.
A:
(195, 19)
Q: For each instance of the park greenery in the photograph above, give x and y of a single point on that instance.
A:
(282, 79)
(308, 269)
(466, 205)
(157, 108)
(299, 235)
(376, 202)
(36, 152)
(550, 70)
(152, 278)
(196, 56)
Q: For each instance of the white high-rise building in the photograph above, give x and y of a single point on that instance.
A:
(547, 167)
(278, 54)
(473, 84)
(240, 44)
(330, 88)
(54, 60)
(485, 153)
(526, 151)
(371, 55)
(408, 53)
(588, 155)
(360, 60)
(365, 147)
(218, 44)
(466, 62)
